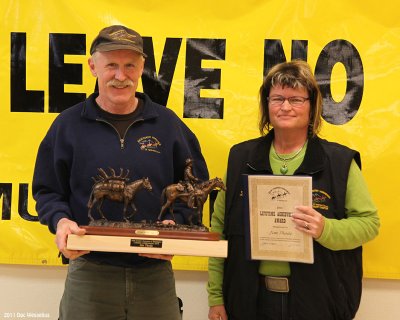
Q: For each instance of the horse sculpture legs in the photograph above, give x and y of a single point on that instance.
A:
(99, 204)
(198, 205)
(193, 200)
(164, 207)
(126, 202)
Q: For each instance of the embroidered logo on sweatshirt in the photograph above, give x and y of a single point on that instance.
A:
(320, 199)
(149, 143)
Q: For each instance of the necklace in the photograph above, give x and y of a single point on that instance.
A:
(284, 168)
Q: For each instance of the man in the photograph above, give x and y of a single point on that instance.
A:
(120, 129)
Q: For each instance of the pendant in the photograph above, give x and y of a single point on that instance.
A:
(284, 169)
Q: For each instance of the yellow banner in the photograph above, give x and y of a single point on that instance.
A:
(211, 57)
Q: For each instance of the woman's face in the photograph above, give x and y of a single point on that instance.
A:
(289, 116)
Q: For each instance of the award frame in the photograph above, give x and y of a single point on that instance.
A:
(269, 201)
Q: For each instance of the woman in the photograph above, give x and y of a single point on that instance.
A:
(343, 219)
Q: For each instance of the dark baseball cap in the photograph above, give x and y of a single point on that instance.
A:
(117, 38)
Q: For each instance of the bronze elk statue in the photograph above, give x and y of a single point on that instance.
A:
(194, 198)
(115, 188)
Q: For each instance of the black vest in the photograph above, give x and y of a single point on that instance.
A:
(328, 289)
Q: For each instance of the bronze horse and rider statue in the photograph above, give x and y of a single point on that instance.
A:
(190, 191)
(195, 197)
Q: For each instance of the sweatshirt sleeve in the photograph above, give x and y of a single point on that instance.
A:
(47, 187)
(216, 265)
(362, 223)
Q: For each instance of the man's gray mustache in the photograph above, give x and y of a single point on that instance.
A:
(117, 83)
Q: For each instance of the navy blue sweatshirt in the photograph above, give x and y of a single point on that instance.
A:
(79, 142)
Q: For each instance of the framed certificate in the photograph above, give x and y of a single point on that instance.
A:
(269, 203)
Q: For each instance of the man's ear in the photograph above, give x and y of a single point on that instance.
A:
(92, 67)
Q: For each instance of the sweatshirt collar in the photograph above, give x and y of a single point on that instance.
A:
(89, 110)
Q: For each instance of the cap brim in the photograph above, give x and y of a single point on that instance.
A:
(112, 47)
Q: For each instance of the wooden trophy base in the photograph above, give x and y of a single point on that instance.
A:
(150, 238)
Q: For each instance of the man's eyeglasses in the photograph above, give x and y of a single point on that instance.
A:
(294, 101)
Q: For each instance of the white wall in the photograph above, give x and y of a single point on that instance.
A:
(37, 289)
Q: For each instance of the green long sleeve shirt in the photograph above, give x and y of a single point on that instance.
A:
(362, 225)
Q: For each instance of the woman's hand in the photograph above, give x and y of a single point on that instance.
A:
(217, 313)
(309, 221)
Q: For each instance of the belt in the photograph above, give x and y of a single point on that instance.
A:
(275, 284)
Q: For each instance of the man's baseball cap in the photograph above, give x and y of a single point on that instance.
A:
(117, 38)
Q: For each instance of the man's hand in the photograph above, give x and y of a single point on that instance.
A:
(64, 228)
(159, 256)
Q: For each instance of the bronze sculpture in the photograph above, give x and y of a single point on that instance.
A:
(194, 197)
(190, 191)
(115, 188)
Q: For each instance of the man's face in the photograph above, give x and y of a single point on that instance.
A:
(118, 73)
